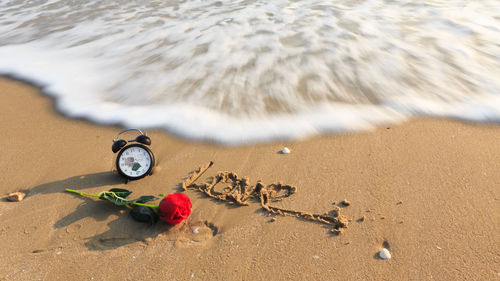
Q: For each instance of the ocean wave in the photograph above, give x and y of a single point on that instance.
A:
(245, 71)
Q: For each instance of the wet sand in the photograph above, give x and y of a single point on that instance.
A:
(429, 190)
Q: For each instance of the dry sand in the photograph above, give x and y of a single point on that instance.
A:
(429, 190)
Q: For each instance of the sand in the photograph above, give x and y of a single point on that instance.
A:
(428, 190)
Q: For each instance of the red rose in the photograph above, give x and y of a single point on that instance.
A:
(175, 208)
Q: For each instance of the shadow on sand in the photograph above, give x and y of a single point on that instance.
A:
(77, 183)
(120, 231)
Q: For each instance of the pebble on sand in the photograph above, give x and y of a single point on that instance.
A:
(384, 254)
(285, 150)
(345, 203)
(196, 230)
(16, 196)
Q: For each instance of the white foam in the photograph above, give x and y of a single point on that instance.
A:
(245, 71)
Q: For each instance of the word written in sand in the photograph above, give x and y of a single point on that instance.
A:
(239, 191)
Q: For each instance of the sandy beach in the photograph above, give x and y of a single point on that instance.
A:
(428, 190)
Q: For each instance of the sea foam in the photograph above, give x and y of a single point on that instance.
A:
(244, 71)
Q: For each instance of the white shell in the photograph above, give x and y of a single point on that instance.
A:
(285, 150)
(384, 254)
(195, 231)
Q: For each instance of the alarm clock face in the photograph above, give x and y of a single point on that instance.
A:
(135, 161)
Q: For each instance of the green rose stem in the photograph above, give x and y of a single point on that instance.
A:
(82, 193)
(145, 205)
(99, 195)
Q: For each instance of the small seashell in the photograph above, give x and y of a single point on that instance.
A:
(16, 196)
(384, 254)
(315, 257)
(285, 150)
(196, 230)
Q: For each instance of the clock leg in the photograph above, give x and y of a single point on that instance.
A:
(126, 181)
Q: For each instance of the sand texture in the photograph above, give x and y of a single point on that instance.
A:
(427, 190)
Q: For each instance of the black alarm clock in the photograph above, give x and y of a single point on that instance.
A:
(135, 160)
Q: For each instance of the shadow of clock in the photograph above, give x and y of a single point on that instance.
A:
(77, 183)
(99, 210)
(90, 207)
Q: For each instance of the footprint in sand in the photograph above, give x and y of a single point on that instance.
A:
(192, 233)
(30, 229)
(73, 228)
(111, 242)
(195, 233)
(204, 231)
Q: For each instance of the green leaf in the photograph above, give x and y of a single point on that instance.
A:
(117, 197)
(145, 198)
(121, 192)
(114, 198)
(144, 214)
